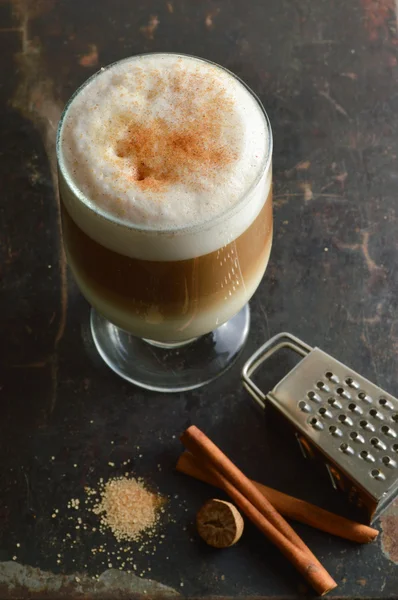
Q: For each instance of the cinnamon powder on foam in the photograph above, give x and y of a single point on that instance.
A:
(164, 151)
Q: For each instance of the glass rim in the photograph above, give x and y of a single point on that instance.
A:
(230, 211)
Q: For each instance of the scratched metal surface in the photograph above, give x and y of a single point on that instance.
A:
(327, 74)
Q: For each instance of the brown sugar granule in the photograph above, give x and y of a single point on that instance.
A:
(128, 508)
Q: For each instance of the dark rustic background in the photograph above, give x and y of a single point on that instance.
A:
(326, 72)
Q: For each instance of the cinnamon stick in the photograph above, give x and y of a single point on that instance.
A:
(310, 569)
(289, 506)
(202, 447)
(258, 509)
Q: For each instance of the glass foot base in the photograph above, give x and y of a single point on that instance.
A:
(172, 368)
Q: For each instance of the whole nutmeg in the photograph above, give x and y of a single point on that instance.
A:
(219, 523)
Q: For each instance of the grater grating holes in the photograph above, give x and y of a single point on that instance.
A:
(394, 417)
(385, 403)
(355, 408)
(378, 443)
(366, 456)
(377, 474)
(304, 406)
(364, 397)
(335, 431)
(313, 396)
(366, 425)
(388, 431)
(334, 403)
(357, 437)
(332, 377)
(316, 423)
(346, 448)
(321, 385)
(351, 382)
(395, 447)
(324, 412)
(388, 462)
(345, 420)
(376, 414)
(343, 393)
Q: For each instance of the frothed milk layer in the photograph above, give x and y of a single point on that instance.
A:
(155, 149)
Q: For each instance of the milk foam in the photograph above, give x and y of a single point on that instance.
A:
(155, 149)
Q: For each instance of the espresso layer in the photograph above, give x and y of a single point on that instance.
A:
(154, 292)
(173, 329)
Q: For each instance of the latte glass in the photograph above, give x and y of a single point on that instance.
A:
(162, 322)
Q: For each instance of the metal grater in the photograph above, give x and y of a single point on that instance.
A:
(339, 417)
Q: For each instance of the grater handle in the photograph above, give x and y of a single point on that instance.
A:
(274, 344)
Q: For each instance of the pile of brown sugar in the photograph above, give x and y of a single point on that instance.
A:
(117, 524)
(128, 508)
